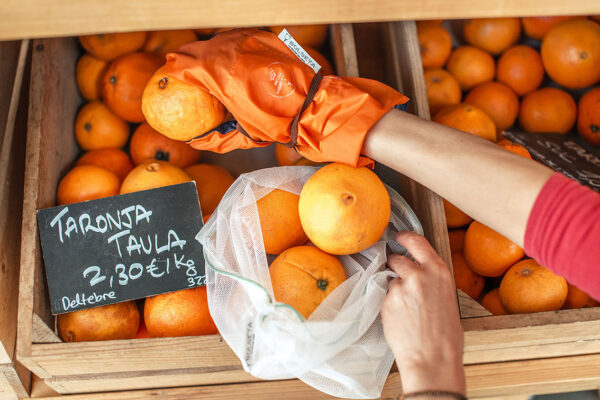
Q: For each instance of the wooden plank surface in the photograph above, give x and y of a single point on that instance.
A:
(39, 18)
(12, 152)
(552, 375)
(12, 385)
(344, 49)
(14, 67)
(50, 151)
(120, 381)
(207, 352)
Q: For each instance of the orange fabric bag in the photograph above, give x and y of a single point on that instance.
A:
(275, 97)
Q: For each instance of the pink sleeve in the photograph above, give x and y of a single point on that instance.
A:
(563, 232)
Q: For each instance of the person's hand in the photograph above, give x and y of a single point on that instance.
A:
(421, 321)
(275, 97)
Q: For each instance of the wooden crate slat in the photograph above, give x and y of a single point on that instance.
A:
(509, 379)
(14, 67)
(35, 18)
(209, 352)
(146, 380)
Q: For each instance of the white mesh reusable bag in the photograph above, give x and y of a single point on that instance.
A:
(340, 349)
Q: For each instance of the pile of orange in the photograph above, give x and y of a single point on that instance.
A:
(133, 136)
(112, 76)
(502, 77)
(487, 85)
(342, 210)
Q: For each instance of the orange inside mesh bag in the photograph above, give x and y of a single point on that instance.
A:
(275, 97)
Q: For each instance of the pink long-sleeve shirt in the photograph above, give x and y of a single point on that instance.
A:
(563, 232)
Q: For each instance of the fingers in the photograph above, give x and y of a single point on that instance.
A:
(418, 247)
(401, 265)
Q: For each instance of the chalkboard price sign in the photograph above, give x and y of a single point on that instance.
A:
(123, 247)
(568, 154)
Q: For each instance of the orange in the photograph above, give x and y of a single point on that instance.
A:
(467, 118)
(548, 110)
(279, 221)
(464, 277)
(146, 144)
(537, 27)
(470, 66)
(163, 42)
(491, 302)
(86, 182)
(455, 218)
(529, 287)
(303, 276)
(493, 35)
(457, 239)
(577, 298)
(588, 116)
(514, 148)
(286, 155)
(96, 127)
(108, 46)
(89, 73)
(326, 68)
(520, 67)
(487, 252)
(124, 83)
(180, 313)
(179, 110)
(344, 210)
(435, 44)
(206, 217)
(212, 182)
(442, 89)
(142, 332)
(571, 53)
(498, 101)
(153, 174)
(303, 162)
(114, 160)
(305, 35)
(110, 322)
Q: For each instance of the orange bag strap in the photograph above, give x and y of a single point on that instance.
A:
(241, 129)
(312, 90)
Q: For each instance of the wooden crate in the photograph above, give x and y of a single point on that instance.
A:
(497, 338)
(14, 379)
(32, 18)
(122, 364)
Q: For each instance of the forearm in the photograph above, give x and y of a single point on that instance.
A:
(490, 184)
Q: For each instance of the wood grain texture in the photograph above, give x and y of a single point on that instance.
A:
(344, 50)
(37, 18)
(41, 333)
(146, 380)
(514, 378)
(12, 152)
(550, 340)
(14, 379)
(208, 352)
(50, 122)
(12, 383)
(469, 308)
